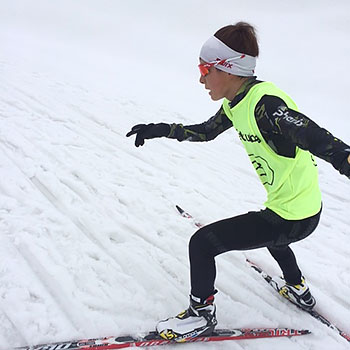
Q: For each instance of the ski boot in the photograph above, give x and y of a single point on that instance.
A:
(299, 294)
(198, 320)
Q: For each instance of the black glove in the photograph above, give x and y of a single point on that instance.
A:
(148, 131)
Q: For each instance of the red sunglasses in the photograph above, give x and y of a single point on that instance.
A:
(204, 68)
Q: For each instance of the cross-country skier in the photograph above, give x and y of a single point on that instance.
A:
(280, 142)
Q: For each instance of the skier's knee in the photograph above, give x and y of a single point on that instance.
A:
(198, 242)
(202, 243)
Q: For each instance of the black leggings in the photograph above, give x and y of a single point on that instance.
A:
(249, 231)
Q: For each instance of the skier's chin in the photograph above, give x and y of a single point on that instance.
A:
(214, 97)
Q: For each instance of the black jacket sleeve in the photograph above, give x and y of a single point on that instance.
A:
(201, 132)
(284, 129)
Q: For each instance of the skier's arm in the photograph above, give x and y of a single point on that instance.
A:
(206, 131)
(199, 132)
(276, 120)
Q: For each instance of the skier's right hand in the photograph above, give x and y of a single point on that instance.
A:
(148, 131)
(345, 167)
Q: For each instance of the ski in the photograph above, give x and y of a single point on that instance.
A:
(153, 339)
(274, 284)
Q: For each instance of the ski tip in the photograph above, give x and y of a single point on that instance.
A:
(180, 210)
(249, 261)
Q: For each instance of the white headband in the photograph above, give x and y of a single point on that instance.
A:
(228, 60)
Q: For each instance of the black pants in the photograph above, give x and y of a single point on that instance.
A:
(244, 232)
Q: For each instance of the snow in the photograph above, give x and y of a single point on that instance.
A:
(90, 241)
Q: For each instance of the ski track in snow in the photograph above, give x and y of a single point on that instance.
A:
(91, 243)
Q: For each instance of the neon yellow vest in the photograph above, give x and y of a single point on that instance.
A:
(291, 183)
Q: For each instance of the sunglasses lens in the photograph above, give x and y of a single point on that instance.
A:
(204, 70)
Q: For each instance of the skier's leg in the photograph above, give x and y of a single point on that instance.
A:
(296, 287)
(242, 232)
(287, 262)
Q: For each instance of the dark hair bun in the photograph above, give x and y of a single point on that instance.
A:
(240, 37)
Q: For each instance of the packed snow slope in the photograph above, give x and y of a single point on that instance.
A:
(90, 241)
